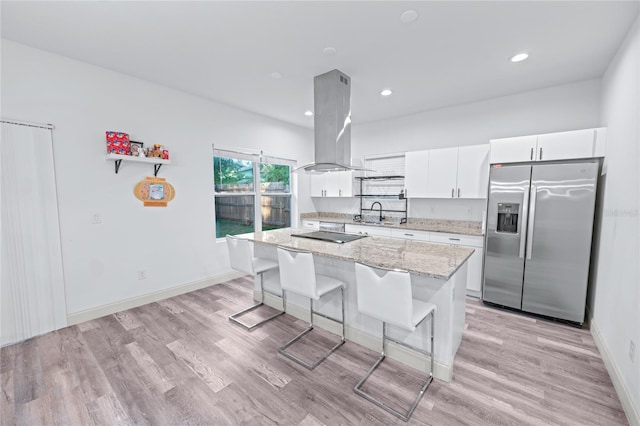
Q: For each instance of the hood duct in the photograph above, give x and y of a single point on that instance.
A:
(332, 123)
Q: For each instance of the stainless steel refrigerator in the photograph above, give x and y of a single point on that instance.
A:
(538, 237)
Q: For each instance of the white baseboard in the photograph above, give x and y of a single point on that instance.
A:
(397, 352)
(630, 407)
(475, 294)
(122, 305)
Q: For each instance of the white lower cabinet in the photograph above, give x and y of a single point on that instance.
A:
(474, 268)
(310, 224)
(410, 234)
(367, 230)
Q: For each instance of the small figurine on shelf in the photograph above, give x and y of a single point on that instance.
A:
(165, 154)
(141, 152)
(155, 152)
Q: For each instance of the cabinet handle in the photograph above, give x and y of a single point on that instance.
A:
(540, 153)
(409, 235)
(452, 192)
(454, 239)
(458, 192)
(531, 156)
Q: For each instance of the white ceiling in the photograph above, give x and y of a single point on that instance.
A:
(455, 52)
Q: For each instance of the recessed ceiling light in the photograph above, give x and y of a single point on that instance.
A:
(520, 57)
(308, 113)
(408, 16)
(329, 51)
(386, 92)
(276, 75)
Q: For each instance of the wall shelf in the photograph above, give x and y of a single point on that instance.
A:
(118, 159)
(380, 181)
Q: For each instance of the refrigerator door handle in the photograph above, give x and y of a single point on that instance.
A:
(524, 223)
(532, 218)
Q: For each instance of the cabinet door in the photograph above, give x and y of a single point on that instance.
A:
(311, 224)
(474, 273)
(316, 185)
(473, 171)
(345, 188)
(513, 150)
(415, 173)
(474, 269)
(410, 234)
(442, 173)
(367, 230)
(332, 184)
(566, 145)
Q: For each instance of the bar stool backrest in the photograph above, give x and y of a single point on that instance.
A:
(385, 295)
(297, 272)
(240, 254)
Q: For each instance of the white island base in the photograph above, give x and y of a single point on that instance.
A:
(447, 295)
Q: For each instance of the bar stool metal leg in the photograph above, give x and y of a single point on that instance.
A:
(407, 415)
(236, 317)
(292, 357)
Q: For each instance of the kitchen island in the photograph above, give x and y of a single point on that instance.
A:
(438, 275)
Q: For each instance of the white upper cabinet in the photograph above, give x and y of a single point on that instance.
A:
(442, 173)
(316, 185)
(473, 171)
(588, 143)
(345, 184)
(331, 184)
(513, 150)
(461, 172)
(564, 145)
(415, 174)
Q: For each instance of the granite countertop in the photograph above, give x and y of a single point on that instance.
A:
(432, 260)
(462, 227)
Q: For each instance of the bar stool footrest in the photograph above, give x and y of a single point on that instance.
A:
(358, 389)
(282, 350)
(236, 317)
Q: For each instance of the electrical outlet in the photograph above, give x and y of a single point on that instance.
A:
(632, 351)
(142, 274)
(96, 218)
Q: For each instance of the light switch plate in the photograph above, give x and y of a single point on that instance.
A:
(96, 218)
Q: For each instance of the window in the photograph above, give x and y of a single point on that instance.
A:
(275, 192)
(236, 177)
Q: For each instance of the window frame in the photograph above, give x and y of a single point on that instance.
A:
(256, 160)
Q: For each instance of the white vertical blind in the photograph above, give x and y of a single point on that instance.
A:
(32, 298)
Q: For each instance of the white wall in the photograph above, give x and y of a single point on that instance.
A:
(176, 244)
(616, 305)
(566, 107)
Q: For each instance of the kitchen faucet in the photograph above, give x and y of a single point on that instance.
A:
(378, 203)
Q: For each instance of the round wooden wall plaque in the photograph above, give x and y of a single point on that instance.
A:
(154, 192)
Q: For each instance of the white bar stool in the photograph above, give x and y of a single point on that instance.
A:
(242, 260)
(298, 275)
(386, 295)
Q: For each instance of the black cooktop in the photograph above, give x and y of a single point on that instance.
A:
(333, 237)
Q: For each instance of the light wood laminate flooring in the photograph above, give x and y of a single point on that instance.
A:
(180, 361)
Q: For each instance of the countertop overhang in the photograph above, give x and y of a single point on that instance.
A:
(432, 260)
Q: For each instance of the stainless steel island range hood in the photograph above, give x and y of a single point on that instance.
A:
(332, 123)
